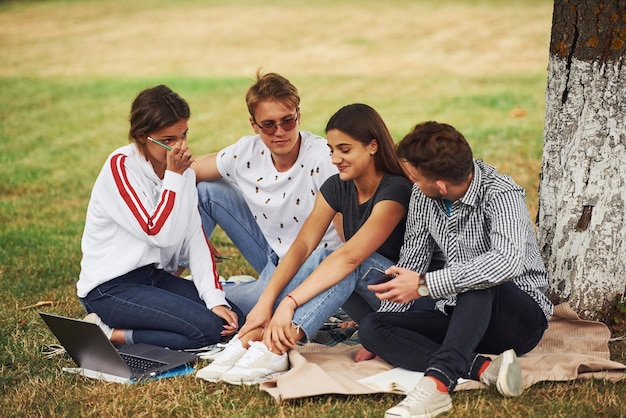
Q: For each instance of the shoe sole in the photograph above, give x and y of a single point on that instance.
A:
(256, 381)
(428, 415)
(509, 382)
(207, 379)
(217, 376)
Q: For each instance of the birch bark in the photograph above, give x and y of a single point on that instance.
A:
(582, 195)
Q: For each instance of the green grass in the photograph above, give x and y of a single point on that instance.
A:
(61, 115)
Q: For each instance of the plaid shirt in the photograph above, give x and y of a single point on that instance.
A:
(487, 238)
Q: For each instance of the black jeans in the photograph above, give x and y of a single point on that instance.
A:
(445, 345)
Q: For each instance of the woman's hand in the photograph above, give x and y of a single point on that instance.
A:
(179, 158)
(258, 317)
(229, 316)
(400, 289)
(279, 335)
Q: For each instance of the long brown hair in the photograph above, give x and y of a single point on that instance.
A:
(364, 124)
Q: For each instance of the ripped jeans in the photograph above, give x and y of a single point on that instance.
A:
(311, 315)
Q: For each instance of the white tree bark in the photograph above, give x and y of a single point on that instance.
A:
(582, 196)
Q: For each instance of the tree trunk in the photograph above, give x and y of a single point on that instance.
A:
(582, 194)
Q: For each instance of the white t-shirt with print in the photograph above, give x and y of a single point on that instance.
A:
(279, 201)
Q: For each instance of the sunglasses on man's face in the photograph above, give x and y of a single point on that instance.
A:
(270, 127)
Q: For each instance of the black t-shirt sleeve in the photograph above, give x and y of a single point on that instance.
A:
(394, 188)
(332, 191)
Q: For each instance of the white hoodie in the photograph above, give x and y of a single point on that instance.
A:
(136, 219)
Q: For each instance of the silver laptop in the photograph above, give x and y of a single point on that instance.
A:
(90, 348)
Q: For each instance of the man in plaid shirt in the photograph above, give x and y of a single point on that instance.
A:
(490, 291)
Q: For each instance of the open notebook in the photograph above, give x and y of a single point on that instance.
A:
(396, 380)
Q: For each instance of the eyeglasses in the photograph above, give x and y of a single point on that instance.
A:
(270, 128)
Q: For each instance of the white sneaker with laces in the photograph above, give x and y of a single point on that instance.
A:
(425, 401)
(223, 361)
(258, 365)
(95, 319)
(505, 374)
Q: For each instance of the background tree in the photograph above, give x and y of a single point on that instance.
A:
(582, 196)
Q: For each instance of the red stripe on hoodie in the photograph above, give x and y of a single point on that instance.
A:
(216, 276)
(148, 223)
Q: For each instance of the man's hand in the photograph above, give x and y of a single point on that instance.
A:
(401, 289)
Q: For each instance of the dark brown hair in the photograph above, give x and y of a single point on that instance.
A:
(154, 109)
(439, 151)
(364, 124)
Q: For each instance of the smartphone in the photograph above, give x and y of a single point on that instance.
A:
(376, 276)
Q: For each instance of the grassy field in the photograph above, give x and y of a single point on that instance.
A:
(70, 69)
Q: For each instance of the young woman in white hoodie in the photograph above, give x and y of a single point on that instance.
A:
(142, 223)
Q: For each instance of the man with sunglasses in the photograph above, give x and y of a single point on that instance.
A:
(261, 188)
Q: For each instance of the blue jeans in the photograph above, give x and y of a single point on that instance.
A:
(445, 345)
(158, 308)
(311, 315)
(222, 203)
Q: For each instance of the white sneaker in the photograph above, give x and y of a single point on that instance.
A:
(95, 319)
(256, 366)
(223, 361)
(505, 374)
(425, 401)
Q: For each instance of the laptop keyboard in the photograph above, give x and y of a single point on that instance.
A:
(141, 365)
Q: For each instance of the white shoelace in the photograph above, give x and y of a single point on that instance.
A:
(256, 351)
(415, 398)
(231, 350)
